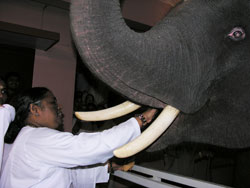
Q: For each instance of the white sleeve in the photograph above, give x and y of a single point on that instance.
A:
(67, 150)
(7, 114)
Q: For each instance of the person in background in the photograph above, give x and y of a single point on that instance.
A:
(7, 114)
(44, 156)
(13, 84)
(3, 92)
(89, 99)
(79, 104)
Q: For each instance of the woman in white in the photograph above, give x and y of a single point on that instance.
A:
(43, 156)
(7, 114)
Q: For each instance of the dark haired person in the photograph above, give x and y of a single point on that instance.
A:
(3, 92)
(7, 114)
(13, 84)
(43, 156)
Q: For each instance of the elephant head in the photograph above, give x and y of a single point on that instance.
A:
(196, 59)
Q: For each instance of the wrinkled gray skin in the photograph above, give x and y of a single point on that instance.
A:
(196, 59)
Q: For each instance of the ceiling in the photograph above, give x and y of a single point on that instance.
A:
(23, 36)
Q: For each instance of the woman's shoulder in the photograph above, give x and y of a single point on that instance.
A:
(44, 133)
(9, 110)
(42, 137)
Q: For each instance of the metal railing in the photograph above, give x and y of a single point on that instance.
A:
(158, 179)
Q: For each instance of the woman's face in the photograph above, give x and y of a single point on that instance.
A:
(51, 114)
(13, 82)
(3, 93)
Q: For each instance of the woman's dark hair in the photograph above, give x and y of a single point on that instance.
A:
(21, 103)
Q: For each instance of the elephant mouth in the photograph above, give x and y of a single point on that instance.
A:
(152, 133)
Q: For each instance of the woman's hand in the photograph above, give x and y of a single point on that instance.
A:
(146, 117)
(112, 166)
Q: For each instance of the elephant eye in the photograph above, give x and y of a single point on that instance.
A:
(237, 34)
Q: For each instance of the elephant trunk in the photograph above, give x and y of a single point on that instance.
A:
(129, 62)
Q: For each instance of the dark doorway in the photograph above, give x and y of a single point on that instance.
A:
(19, 60)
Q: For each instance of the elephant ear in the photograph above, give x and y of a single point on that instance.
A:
(137, 65)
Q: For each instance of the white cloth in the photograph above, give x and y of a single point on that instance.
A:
(7, 114)
(6, 152)
(88, 177)
(43, 157)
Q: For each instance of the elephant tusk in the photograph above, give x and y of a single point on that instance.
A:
(110, 113)
(162, 122)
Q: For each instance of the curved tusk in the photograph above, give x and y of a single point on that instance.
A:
(110, 113)
(162, 122)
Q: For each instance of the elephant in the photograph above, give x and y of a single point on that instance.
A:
(196, 59)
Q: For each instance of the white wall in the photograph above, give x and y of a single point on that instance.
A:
(54, 68)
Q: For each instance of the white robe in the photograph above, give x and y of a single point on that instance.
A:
(7, 114)
(43, 157)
